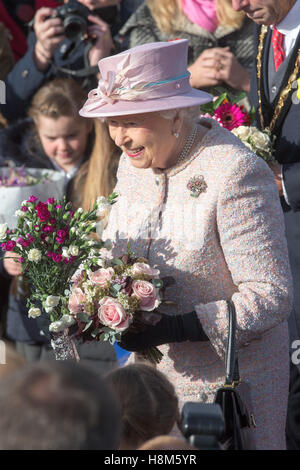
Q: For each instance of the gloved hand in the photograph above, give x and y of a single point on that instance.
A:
(170, 329)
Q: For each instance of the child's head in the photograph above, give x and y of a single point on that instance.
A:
(149, 404)
(62, 133)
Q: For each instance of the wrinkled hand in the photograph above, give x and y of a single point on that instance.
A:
(103, 45)
(276, 168)
(230, 71)
(49, 34)
(10, 263)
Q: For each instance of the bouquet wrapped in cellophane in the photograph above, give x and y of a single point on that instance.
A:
(18, 183)
(51, 241)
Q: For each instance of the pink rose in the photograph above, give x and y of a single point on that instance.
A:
(147, 293)
(76, 300)
(145, 270)
(112, 314)
(102, 276)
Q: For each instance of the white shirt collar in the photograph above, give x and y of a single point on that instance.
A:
(291, 22)
(69, 175)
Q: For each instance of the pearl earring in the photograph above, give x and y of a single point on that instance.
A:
(176, 134)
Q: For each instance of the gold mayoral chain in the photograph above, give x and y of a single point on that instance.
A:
(285, 92)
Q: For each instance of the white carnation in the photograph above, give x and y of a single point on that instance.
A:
(3, 229)
(19, 213)
(34, 255)
(34, 312)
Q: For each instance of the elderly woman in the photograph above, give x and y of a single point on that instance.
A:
(205, 210)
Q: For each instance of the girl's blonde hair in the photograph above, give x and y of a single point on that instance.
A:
(60, 97)
(165, 12)
(97, 176)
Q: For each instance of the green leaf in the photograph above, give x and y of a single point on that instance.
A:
(84, 317)
(158, 283)
(117, 262)
(238, 98)
(219, 100)
(95, 333)
(87, 325)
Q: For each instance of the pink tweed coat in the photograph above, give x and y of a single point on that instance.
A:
(228, 242)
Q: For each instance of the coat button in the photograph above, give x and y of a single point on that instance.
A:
(25, 73)
(274, 89)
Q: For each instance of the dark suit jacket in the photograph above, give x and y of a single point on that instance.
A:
(288, 154)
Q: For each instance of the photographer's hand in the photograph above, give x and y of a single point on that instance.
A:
(49, 34)
(103, 45)
(170, 329)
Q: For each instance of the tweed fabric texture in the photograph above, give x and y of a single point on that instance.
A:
(227, 243)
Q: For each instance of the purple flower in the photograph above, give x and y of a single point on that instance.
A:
(52, 221)
(37, 228)
(21, 259)
(51, 200)
(57, 257)
(32, 199)
(3, 246)
(24, 208)
(58, 206)
(19, 240)
(49, 254)
(10, 245)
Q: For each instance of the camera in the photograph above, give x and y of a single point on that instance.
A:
(202, 424)
(74, 17)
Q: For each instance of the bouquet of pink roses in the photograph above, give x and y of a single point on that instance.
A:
(106, 302)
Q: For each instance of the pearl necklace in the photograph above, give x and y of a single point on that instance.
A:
(188, 145)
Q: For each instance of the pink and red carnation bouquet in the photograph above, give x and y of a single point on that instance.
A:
(51, 241)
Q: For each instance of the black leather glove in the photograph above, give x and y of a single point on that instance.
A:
(170, 329)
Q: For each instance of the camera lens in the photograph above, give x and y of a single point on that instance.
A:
(75, 27)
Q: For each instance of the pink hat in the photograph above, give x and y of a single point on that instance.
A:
(146, 78)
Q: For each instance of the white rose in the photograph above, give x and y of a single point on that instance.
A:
(260, 140)
(34, 255)
(101, 263)
(57, 326)
(34, 312)
(52, 301)
(3, 228)
(73, 250)
(72, 230)
(48, 309)
(242, 132)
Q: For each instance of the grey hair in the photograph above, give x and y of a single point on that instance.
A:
(189, 114)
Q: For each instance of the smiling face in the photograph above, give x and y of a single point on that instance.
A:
(264, 11)
(64, 140)
(147, 139)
